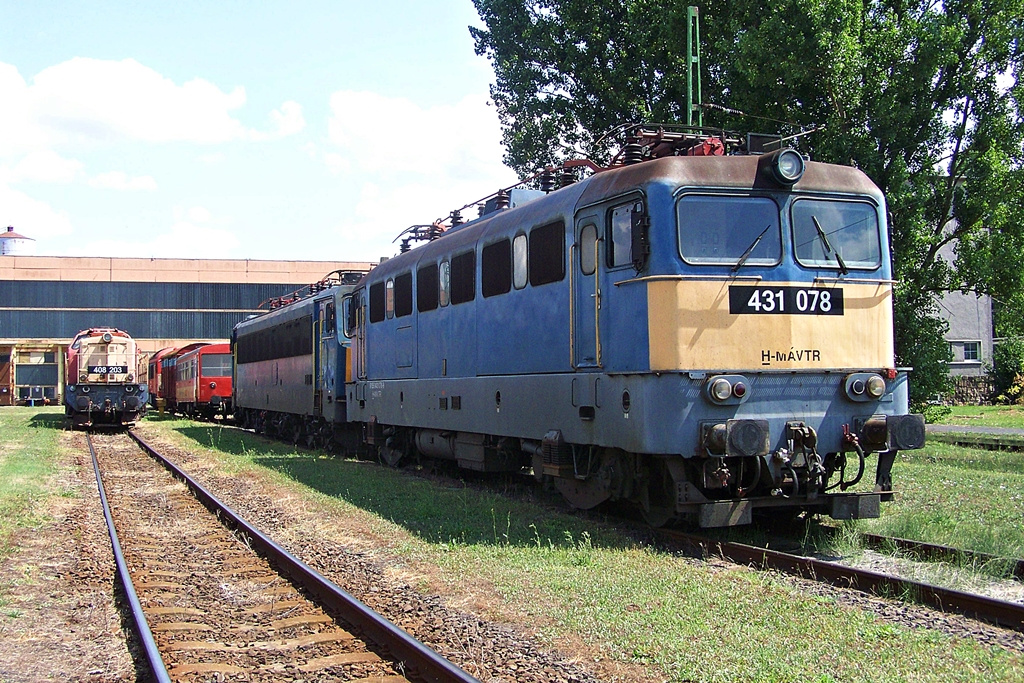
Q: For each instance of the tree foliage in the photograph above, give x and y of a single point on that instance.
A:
(924, 96)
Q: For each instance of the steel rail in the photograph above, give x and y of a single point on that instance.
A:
(1008, 614)
(933, 551)
(152, 652)
(426, 663)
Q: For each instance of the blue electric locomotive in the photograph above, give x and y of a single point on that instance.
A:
(704, 335)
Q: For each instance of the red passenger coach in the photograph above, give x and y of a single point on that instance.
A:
(157, 389)
(202, 386)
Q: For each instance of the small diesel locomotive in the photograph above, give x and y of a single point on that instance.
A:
(103, 386)
(698, 330)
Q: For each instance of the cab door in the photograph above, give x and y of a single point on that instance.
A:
(325, 359)
(586, 294)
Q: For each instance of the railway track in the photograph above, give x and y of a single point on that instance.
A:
(205, 603)
(1000, 612)
(943, 553)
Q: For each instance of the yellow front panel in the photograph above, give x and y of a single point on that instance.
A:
(691, 328)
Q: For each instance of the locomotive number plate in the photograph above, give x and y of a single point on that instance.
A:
(108, 369)
(786, 300)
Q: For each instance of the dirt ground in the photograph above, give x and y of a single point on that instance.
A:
(60, 621)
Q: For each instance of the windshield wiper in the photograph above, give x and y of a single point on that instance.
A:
(751, 248)
(828, 247)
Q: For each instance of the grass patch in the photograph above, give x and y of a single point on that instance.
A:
(28, 457)
(967, 498)
(986, 416)
(571, 576)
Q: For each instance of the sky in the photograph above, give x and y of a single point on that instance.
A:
(303, 130)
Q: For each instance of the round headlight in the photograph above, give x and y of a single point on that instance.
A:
(876, 386)
(83, 377)
(130, 377)
(213, 385)
(106, 337)
(787, 166)
(857, 386)
(739, 390)
(71, 388)
(721, 389)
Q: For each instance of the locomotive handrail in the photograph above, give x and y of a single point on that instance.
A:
(855, 280)
(673, 278)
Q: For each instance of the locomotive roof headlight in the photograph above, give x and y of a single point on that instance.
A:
(876, 386)
(107, 338)
(787, 166)
(720, 389)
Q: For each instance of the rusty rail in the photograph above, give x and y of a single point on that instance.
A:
(417, 657)
(142, 630)
(1008, 614)
(944, 553)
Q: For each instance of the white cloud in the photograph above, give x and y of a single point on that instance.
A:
(288, 119)
(93, 102)
(30, 217)
(198, 214)
(182, 240)
(45, 166)
(413, 164)
(117, 180)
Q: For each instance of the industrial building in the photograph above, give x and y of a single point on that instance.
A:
(45, 301)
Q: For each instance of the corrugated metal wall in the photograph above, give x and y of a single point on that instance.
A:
(168, 310)
(159, 295)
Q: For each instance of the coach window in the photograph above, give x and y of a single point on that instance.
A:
(496, 268)
(463, 277)
(403, 295)
(377, 302)
(426, 288)
(588, 249)
(444, 282)
(519, 272)
(547, 253)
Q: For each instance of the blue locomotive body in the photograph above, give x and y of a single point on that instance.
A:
(289, 367)
(693, 334)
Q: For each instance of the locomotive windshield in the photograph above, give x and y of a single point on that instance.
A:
(836, 234)
(728, 230)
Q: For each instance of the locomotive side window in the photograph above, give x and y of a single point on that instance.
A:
(463, 277)
(519, 272)
(836, 234)
(621, 236)
(729, 230)
(427, 288)
(389, 298)
(403, 295)
(444, 282)
(496, 268)
(547, 253)
(377, 302)
(588, 249)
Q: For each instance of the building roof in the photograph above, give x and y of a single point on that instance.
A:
(9, 234)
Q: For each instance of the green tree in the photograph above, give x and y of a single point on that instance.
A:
(925, 97)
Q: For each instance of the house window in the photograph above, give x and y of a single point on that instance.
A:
(972, 351)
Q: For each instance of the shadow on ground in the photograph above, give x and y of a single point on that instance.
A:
(437, 512)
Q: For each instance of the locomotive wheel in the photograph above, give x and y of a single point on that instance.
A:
(585, 494)
(392, 457)
(658, 506)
